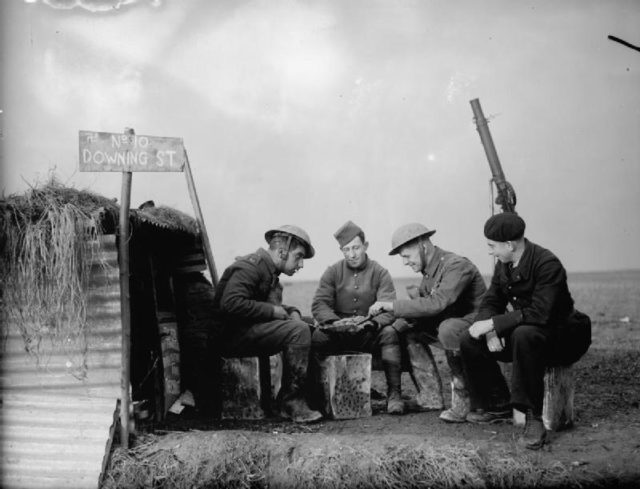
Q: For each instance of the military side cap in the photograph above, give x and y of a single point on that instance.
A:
(505, 226)
(347, 232)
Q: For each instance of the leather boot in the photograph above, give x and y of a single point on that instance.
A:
(535, 434)
(425, 376)
(293, 406)
(393, 372)
(460, 400)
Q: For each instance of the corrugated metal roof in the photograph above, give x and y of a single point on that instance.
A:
(55, 428)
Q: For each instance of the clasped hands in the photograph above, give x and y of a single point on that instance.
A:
(485, 328)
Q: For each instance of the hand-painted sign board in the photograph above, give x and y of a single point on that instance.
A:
(105, 151)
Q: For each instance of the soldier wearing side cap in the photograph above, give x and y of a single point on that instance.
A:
(542, 328)
(252, 321)
(444, 307)
(346, 291)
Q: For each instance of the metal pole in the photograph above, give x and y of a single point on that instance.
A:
(125, 303)
(203, 230)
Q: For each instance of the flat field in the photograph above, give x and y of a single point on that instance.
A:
(416, 449)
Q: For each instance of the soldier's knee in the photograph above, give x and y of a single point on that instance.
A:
(450, 332)
(298, 332)
(525, 335)
(388, 335)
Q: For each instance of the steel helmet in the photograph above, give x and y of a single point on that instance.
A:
(296, 231)
(406, 233)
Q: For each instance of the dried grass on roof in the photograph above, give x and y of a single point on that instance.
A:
(48, 243)
(168, 218)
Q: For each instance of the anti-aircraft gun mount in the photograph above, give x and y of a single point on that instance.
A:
(506, 197)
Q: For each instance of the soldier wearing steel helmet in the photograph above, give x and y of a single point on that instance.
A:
(444, 307)
(252, 320)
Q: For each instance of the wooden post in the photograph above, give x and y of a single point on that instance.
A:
(203, 230)
(125, 303)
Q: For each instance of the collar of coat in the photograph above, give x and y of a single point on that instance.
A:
(523, 270)
(360, 268)
(435, 262)
(264, 254)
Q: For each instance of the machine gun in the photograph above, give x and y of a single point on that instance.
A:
(506, 195)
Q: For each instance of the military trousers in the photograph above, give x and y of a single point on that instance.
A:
(366, 341)
(442, 333)
(527, 348)
(266, 338)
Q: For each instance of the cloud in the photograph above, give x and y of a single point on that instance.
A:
(94, 5)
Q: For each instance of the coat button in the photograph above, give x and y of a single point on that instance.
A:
(355, 299)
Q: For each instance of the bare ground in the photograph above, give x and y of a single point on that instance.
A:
(602, 449)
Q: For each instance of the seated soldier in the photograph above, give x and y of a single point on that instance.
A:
(543, 328)
(448, 299)
(341, 303)
(252, 321)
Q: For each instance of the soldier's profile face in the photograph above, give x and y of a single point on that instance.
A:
(355, 252)
(502, 251)
(294, 261)
(411, 257)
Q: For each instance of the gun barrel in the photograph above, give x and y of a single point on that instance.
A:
(487, 142)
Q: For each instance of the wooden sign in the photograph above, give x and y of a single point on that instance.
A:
(105, 151)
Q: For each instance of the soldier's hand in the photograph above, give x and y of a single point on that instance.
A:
(295, 315)
(379, 307)
(481, 328)
(494, 343)
(280, 313)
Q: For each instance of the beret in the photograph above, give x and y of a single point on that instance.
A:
(347, 232)
(506, 226)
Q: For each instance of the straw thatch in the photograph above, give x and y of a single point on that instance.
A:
(166, 218)
(47, 241)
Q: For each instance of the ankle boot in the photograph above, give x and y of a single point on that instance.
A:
(535, 434)
(460, 400)
(295, 361)
(425, 376)
(393, 372)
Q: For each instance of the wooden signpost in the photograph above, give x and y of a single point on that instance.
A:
(128, 153)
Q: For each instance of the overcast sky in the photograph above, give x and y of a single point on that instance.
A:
(312, 113)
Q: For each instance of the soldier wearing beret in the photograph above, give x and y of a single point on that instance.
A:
(346, 291)
(541, 328)
(444, 307)
(252, 321)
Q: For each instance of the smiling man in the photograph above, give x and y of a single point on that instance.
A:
(540, 328)
(444, 308)
(252, 321)
(341, 303)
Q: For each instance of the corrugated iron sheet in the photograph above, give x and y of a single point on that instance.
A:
(55, 428)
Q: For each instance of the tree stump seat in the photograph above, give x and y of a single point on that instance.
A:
(345, 382)
(248, 385)
(557, 410)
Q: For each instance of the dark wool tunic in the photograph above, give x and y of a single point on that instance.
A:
(451, 287)
(247, 292)
(538, 293)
